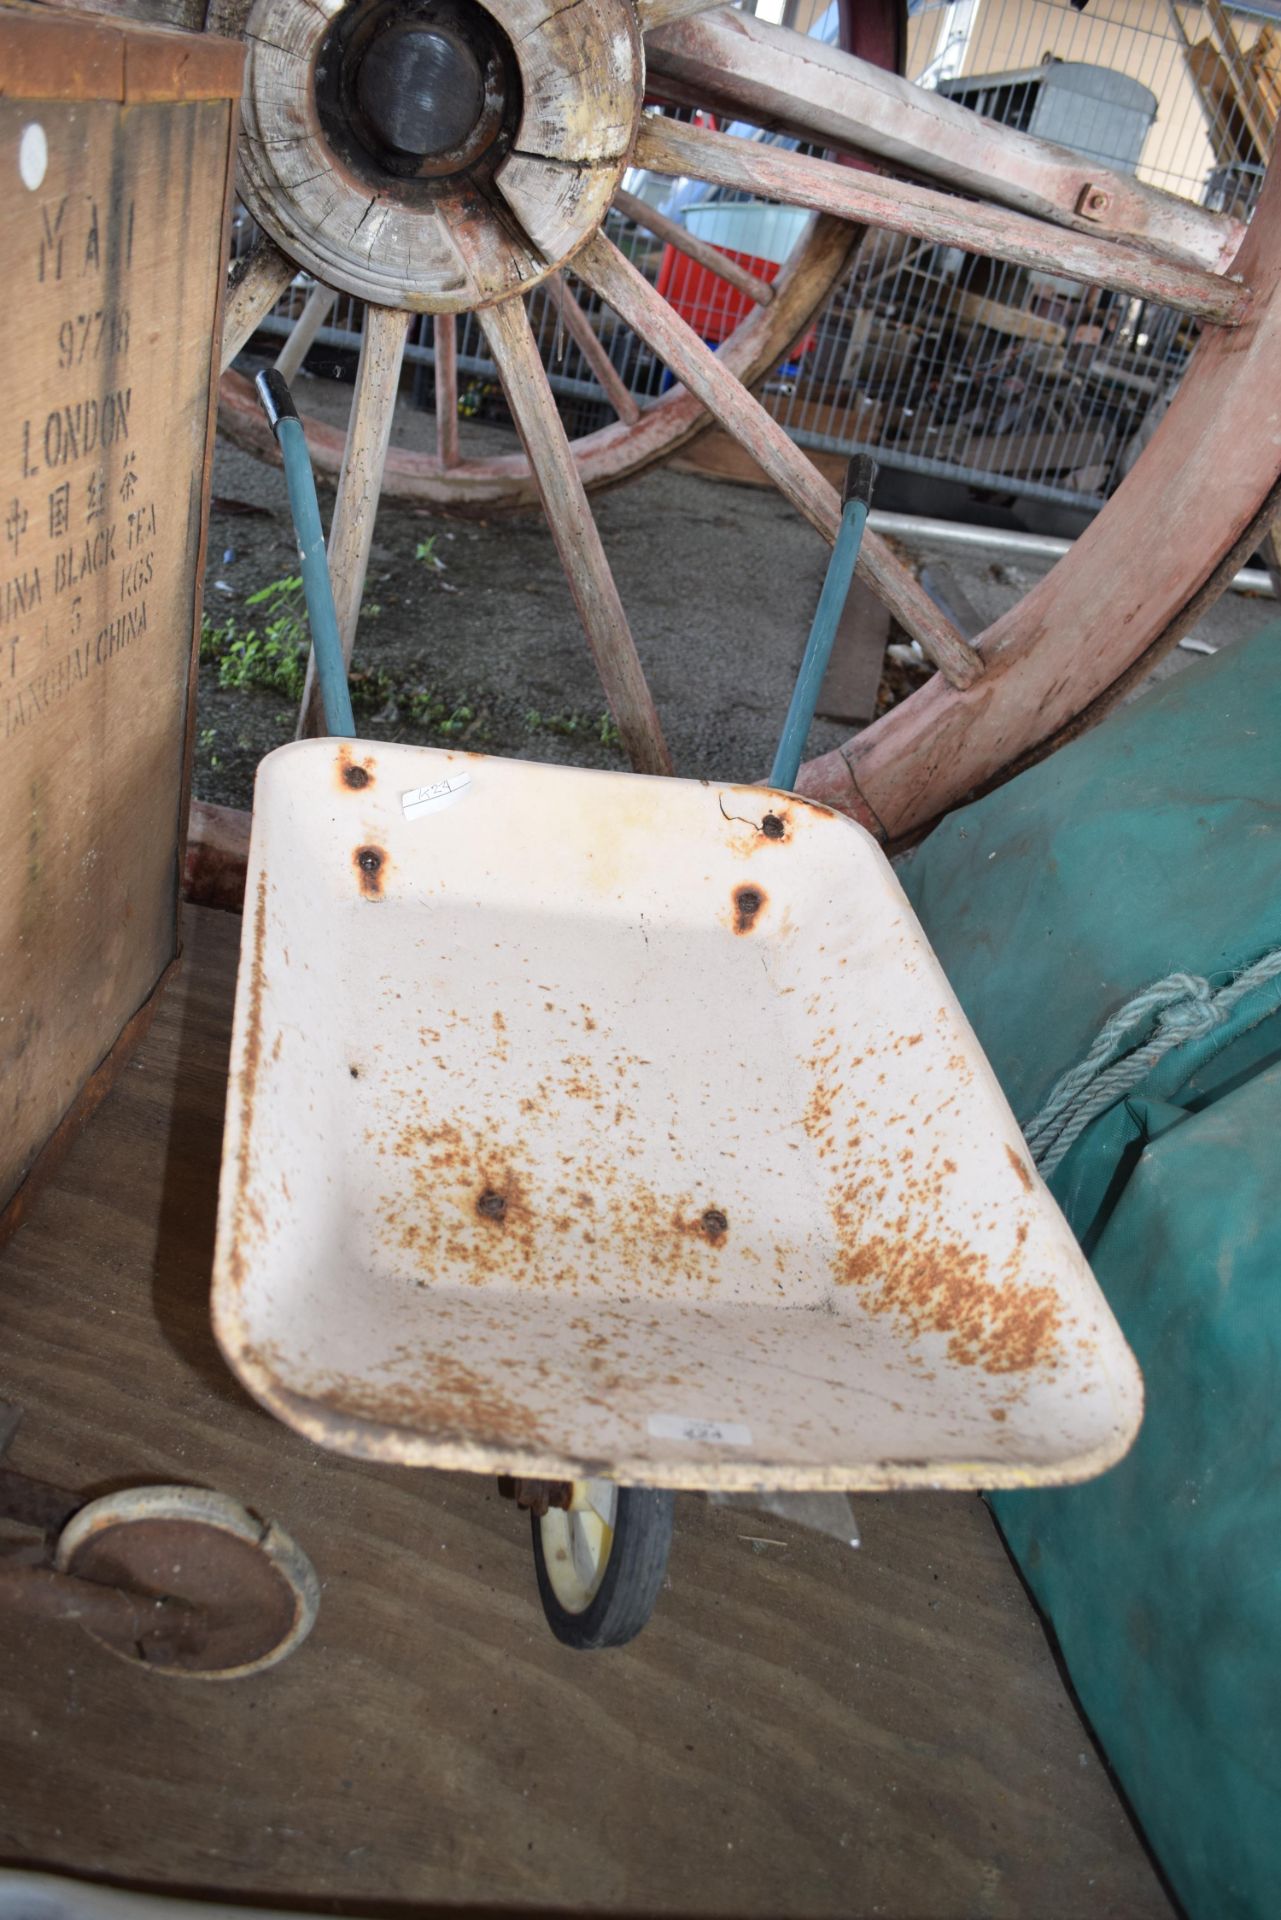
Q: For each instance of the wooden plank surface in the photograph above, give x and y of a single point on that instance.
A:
(105, 331)
(800, 1729)
(47, 58)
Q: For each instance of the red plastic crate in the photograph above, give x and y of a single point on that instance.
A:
(709, 304)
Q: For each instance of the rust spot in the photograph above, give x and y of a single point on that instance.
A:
(998, 1413)
(443, 1397)
(715, 1226)
(813, 807)
(943, 1287)
(369, 863)
(354, 774)
(354, 1072)
(748, 902)
(774, 826)
(465, 1202)
(492, 1205)
(249, 1084)
(711, 1225)
(1019, 1165)
(536, 1495)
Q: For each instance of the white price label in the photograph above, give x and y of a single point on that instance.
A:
(421, 800)
(711, 1433)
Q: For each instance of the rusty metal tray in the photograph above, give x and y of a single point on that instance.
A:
(582, 1124)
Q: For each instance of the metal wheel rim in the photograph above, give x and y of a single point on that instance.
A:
(202, 1507)
(577, 1543)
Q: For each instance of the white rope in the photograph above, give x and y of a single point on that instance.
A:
(1185, 1007)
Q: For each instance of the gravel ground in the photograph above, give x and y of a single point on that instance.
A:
(719, 581)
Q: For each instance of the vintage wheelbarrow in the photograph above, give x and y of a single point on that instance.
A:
(623, 1135)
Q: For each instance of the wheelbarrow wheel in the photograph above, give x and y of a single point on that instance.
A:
(601, 1562)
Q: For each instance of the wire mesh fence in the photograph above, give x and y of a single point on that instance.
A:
(1024, 382)
(940, 362)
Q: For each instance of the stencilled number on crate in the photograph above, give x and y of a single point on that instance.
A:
(104, 333)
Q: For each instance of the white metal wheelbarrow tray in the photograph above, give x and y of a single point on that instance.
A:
(588, 1125)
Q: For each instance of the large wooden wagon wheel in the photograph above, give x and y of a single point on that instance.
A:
(437, 155)
(446, 480)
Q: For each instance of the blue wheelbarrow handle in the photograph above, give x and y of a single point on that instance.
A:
(857, 498)
(326, 647)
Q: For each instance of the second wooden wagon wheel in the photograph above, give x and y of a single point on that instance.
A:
(437, 155)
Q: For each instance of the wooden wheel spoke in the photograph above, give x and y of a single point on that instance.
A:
(603, 458)
(738, 64)
(256, 283)
(670, 147)
(319, 306)
(632, 297)
(658, 13)
(515, 353)
(592, 348)
(687, 243)
(445, 336)
(382, 350)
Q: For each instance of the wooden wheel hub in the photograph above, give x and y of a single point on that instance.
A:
(437, 155)
(411, 95)
(422, 89)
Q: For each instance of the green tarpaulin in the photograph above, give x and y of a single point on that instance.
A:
(1152, 846)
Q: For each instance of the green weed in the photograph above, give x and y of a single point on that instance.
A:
(574, 726)
(428, 708)
(272, 654)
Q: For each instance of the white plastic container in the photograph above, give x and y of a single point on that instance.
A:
(748, 226)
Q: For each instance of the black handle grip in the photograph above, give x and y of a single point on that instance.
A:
(860, 478)
(278, 402)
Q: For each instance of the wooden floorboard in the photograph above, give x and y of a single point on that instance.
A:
(801, 1730)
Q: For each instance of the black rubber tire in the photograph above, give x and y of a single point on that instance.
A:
(633, 1574)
